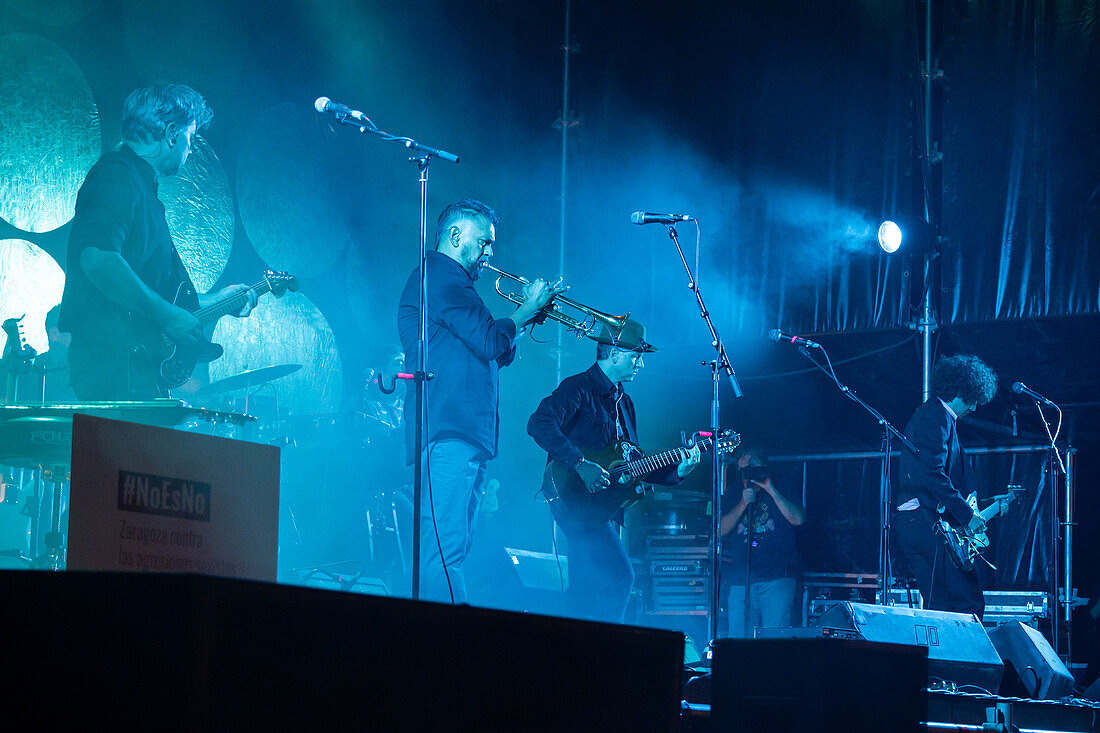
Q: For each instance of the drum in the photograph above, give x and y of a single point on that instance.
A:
(16, 505)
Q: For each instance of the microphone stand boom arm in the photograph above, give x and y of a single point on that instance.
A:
(721, 364)
(889, 432)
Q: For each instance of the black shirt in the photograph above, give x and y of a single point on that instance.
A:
(117, 210)
(586, 413)
(466, 348)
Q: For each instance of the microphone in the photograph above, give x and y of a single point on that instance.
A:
(776, 335)
(644, 217)
(342, 112)
(1021, 388)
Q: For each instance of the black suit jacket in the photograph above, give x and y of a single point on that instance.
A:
(939, 475)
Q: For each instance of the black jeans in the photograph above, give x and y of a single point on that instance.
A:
(942, 584)
(600, 573)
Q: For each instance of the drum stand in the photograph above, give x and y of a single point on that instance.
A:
(53, 558)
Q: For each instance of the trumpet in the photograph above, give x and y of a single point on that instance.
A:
(587, 323)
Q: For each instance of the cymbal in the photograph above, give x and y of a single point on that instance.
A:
(249, 378)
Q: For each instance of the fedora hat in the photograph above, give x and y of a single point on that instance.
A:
(631, 337)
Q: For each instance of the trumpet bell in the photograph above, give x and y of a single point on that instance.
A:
(587, 321)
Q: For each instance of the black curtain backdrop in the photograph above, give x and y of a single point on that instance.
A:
(1021, 159)
(1018, 116)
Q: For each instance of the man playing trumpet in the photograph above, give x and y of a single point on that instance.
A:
(466, 347)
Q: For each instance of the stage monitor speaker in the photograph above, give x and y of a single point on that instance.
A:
(142, 651)
(1032, 669)
(779, 685)
(959, 650)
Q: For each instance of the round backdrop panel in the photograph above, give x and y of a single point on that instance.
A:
(49, 136)
(55, 12)
(31, 283)
(199, 209)
(288, 207)
(288, 330)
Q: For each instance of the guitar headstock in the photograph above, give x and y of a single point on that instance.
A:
(16, 348)
(279, 282)
(726, 441)
(15, 338)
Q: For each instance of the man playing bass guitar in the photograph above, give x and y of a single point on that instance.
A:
(934, 484)
(587, 413)
(123, 270)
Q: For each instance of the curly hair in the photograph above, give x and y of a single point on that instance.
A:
(460, 211)
(964, 376)
(148, 111)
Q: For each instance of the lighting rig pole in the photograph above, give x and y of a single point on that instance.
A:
(564, 122)
(931, 179)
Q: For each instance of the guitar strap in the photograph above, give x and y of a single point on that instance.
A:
(619, 432)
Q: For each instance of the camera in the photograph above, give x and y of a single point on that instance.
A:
(753, 473)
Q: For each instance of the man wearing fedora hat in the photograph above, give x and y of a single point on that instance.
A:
(586, 413)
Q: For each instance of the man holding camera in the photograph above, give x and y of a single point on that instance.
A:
(759, 555)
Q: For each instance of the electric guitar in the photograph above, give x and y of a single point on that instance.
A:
(174, 363)
(628, 468)
(18, 354)
(965, 547)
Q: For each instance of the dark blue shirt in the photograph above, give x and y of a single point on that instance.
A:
(466, 348)
(580, 416)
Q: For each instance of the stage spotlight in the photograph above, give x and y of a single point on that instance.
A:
(889, 237)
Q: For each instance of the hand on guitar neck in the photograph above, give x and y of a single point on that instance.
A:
(230, 294)
(184, 328)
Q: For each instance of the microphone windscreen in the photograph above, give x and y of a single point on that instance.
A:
(1018, 387)
(321, 104)
(638, 217)
(775, 335)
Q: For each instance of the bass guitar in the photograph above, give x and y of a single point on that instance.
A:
(965, 547)
(628, 467)
(174, 363)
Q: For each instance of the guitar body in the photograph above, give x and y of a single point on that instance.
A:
(601, 505)
(960, 545)
(965, 547)
(178, 363)
(174, 364)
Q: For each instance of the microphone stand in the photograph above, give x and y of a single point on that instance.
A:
(750, 541)
(721, 364)
(421, 376)
(889, 432)
(1055, 461)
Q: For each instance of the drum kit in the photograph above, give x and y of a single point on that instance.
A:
(35, 452)
(337, 504)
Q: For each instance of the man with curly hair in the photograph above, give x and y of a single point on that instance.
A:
(936, 482)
